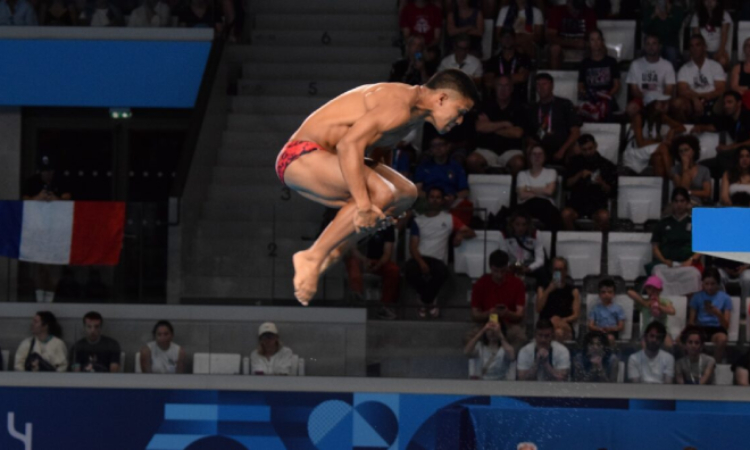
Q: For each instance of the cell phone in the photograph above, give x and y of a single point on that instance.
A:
(494, 318)
(418, 56)
(557, 276)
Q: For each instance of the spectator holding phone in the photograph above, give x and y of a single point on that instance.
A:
(544, 359)
(44, 351)
(653, 306)
(412, 69)
(162, 355)
(560, 301)
(606, 316)
(271, 357)
(493, 350)
(711, 311)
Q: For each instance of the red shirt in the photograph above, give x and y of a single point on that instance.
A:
(486, 293)
(422, 21)
(568, 26)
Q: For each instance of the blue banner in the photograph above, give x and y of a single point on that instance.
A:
(720, 229)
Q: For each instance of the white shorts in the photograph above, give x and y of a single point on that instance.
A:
(495, 160)
(637, 158)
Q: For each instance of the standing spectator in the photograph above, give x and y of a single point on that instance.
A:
(412, 69)
(524, 248)
(687, 173)
(421, 17)
(711, 311)
(553, 122)
(695, 367)
(663, 19)
(736, 179)
(598, 81)
(526, 22)
(592, 182)
(606, 316)
(672, 243)
(466, 19)
(654, 307)
(567, 28)
(162, 355)
(447, 175)
(95, 353)
(271, 357)
(597, 362)
(648, 144)
(18, 13)
(44, 351)
(501, 292)
(649, 73)
(511, 63)
(151, 13)
(106, 14)
(700, 83)
(499, 131)
(430, 233)
(544, 359)
(652, 364)
(493, 350)
(560, 301)
(713, 23)
(57, 14)
(739, 78)
(197, 14)
(536, 189)
(462, 60)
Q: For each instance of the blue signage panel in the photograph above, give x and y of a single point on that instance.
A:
(721, 229)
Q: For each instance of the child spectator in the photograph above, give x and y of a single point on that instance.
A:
(695, 367)
(711, 311)
(652, 364)
(544, 359)
(654, 307)
(162, 355)
(44, 351)
(597, 363)
(271, 357)
(598, 81)
(560, 301)
(606, 316)
(493, 350)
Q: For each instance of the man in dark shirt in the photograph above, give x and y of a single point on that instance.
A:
(592, 181)
(552, 122)
(567, 28)
(509, 62)
(95, 353)
(377, 260)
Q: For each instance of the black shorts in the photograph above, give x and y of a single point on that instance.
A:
(711, 331)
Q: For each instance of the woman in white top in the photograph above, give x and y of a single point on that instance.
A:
(536, 188)
(711, 21)
(737, 178)
(44, 351)
(526, 20)
(271, 357)
(162, 355)
(493, 351)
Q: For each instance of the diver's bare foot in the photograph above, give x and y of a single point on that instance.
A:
(305, 276)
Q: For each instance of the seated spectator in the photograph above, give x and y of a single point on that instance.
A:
(197, 14)
(44, 351)
(652, 364)
(536, 189)
(162, 355)
(648, 144)
(695, 367)
(598, 81)
(552, 122)
(567, 28)
(493, 350)
(526, 22)
(649, 73)
(271, 357)
(57, 14)
(654, 307)
(737, 178)
(377, 260)
(412, 69)
(500, 128)
(466, 19)
(95, 352)
(713, 23)
(511, 63)
(741, 369)
(524, 248)
(687, 173)
(151, 13)
(711, 311)
(17, 13)
(663, 18)
(421, 17)
(461, 59)
(739, 77)
(700, 84)
(501, 292)
(592, 182)
(606, 316)
(430, 233)
(672, 242)
(447, 175)
(560, 301)
(597, 362)
(544, 359)
(106, 14)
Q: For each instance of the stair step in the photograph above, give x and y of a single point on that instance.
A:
(312, 55)
(250, 139)
(247, 157)
(286, 123)
(315, 71)
(237, 229)
(326, 21)
(324, 6)
(261, 203)
(277, 105)
(261, 288)
(244, 176)
(325, 37)
(323, 88)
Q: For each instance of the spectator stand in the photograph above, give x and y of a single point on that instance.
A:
(583, 250)
(490, 193)
(627, 254)
(472, 256)
(639, 199)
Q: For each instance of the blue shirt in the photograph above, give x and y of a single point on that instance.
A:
(450, 177)
(720, 300)
(24, 14)
(607, 315)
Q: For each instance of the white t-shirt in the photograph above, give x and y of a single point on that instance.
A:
(164, 361)
(651, 77)
(520, 23)
(546, 177)
(434, 233)
(560, 358)
(712, 35)
(278, 364)
(701, 79)
(651, 370)
(471, 66)
(494, 365)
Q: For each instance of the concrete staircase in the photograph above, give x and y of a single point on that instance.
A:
(300, 57)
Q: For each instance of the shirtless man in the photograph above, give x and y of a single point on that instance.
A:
(324, 160)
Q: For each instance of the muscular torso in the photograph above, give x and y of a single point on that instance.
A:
(328, 125)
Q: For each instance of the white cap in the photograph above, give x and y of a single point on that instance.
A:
(654, 97)
(267, 327)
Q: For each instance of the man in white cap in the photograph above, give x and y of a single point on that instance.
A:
(700, 83)
(271, 357)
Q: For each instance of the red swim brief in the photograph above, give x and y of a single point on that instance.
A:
(291, 151)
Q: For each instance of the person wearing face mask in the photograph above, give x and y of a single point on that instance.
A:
(652, 364)
(559, 301)
(711, 311)
(597, 362)
(653, 307)
(696, 367)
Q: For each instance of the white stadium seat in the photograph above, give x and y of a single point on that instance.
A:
(639, 198)
(583, 250)
(472, 256)
(490, 192)
(217, 363)
(546, 237)
(566, 84)
(619, 35)
(627, 254)
(709, 141)
(627, 306)
(607, 137)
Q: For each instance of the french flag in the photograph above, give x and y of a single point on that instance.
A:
(62, 232)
